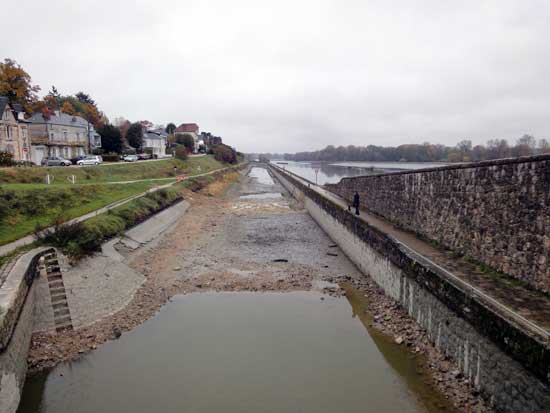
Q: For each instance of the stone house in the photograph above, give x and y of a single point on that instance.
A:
(61, 135)
(190, 129)
(14, 135)
(155, 141)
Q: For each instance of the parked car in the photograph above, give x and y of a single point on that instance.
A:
(75, 160)
(55, 161)
(143, 156)
(90, 160)
(130, 158)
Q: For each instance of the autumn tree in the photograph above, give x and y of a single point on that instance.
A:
(134, 136)
(17, 85)
(68, 108)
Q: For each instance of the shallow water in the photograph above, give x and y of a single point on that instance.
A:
(241, 352)
(261, 175)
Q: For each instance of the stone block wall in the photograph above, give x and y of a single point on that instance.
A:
(497, 212)
(508, 366)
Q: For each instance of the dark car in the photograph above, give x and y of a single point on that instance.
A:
(143, 156)
(55, 161)
(74, 161)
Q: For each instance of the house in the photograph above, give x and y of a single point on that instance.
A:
(191, 129)
(155, 141)
(14, 136)
(62, 135)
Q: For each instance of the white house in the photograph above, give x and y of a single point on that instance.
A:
(155, 141)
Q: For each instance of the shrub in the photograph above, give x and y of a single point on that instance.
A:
(111, 157)
(6, 159)
(181, 153)
(80, 239)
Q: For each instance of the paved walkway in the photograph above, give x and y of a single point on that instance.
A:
(7, 248)
(523, 306)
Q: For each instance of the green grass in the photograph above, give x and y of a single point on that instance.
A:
(23, 209)
(84, 238)
(112, 172)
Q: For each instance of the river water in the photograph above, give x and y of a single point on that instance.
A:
(329, 173)
(241, 352)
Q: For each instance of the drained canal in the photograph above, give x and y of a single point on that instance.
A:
(241, 352)
(266, 336)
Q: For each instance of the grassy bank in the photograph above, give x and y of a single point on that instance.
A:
(83, 238)
(23, 210)
(114, 172)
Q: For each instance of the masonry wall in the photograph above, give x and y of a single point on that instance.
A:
(497, 212)
(507, 366)
(17, 300)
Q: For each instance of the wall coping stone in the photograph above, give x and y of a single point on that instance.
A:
(464, 165)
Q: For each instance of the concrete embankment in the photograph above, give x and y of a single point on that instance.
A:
(505, 361)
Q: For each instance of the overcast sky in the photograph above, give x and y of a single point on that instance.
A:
(285, 76)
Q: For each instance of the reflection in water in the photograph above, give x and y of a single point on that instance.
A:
(261, 175)
(239, 352)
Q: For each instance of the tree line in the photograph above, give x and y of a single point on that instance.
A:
(464, 151)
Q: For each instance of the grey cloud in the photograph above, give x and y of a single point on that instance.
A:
(298, 75)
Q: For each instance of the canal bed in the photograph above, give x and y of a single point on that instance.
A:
(242, 352)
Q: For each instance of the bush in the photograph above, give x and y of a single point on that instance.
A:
(181, 153)
(111, 157)
(224, 153)
(186, 140)
(6, 159)
(84, 238)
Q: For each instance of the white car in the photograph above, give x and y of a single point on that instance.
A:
(130, 158)
(90, 160)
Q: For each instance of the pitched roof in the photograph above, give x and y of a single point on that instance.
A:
(159, 131)
(153, 135)
(188, 127)
(3, 102)
(61, 119)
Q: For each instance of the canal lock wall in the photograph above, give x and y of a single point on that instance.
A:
(496, 212)
(505, 363)
(17, 303)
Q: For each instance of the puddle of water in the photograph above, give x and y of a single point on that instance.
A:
(266, 195)
(240, 352)
(261, 175)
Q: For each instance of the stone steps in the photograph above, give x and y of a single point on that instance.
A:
(58, 295)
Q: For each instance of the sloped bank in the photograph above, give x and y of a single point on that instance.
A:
(506, 364)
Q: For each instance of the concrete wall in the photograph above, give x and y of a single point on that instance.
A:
(497, 212)
(509, 367)
(16, 325)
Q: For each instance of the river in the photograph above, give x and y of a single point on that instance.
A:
(331, 172)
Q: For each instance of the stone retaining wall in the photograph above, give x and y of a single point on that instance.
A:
(17, 297)
(509, 367)
(497, 212)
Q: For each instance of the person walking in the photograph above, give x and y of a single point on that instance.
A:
(356, 203)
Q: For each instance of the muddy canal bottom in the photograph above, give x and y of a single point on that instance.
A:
(240, 352)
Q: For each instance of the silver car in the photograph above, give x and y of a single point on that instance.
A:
(55, 161)
(130, 158)
(90, 160)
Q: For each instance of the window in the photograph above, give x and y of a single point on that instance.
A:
(8, 132)
(77, 136)
(52, 136)
(65, 136)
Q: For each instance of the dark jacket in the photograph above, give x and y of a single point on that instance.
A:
(356, 200)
